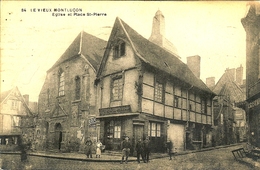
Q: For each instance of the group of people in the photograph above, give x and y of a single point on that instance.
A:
(89, 147)
(143, 149)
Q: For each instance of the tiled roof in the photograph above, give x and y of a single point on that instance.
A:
(161, 59)
(91, 47)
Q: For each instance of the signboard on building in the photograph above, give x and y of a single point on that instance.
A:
(254, 103)
(115, 110)
(92, 122)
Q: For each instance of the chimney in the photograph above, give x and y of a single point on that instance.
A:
(193, 63)
(239, 75)
(158, 29)
(231, 73)
(26, 99)
(210, 82)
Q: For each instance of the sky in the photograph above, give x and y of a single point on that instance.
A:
(31, 42)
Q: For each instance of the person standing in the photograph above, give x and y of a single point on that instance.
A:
(140, 150)
(125, 146)
(147, 149)
(98, 151)
(89, 147)
(169, 148)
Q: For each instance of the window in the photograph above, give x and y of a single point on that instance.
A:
(117, 89)
(117, 130)
(176, 102)
(154, 129)
(61, 84)
(119, 50)
(48, 97)
(158, 130)
(14, 104)
(158, 94)
(114, 129)
(192, 106)
(203, 106)
(16, 121)
(77, 88)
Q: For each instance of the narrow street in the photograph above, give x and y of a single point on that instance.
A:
(213, 159)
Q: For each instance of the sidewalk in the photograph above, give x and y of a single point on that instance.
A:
(111, 157)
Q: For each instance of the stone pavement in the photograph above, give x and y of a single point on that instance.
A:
(116, 156)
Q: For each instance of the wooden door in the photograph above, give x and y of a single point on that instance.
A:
(138, 134)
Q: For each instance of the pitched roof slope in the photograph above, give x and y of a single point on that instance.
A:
(162, 59)
(226, 86)
(4, 95)
(91, 47)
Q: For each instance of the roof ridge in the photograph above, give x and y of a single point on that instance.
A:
(151, 52)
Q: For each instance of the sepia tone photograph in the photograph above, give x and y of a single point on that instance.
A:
(130, 85)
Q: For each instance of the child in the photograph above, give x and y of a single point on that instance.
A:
(99, 146)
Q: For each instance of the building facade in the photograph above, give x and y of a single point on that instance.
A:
(67, 101)
(146, 90)
(229, 125)
(251, 24)
(16, 119)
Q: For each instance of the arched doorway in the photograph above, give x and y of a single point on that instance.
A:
(58, 136)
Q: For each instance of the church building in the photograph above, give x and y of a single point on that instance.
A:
(67, 101)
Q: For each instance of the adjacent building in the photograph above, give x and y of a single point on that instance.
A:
(229, 120)
(251, 24)
(67, 101)
(16, 118)
(144, 89)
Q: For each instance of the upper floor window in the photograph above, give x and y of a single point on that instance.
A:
(203, 106)
(48, 97)
(119, 50)
(61, 84)
(117, 88)
(192, 106)
(77, 88)
(177, 102)
(158, 94)
(14, 104)
(16, 121)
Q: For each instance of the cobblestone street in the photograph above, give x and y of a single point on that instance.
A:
(214, 159)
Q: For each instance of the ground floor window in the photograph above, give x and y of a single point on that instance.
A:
(114, 129)
(154, 129)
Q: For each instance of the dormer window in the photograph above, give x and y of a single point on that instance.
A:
(119, 50)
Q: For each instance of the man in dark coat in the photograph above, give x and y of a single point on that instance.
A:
(125, 146)
(140, 150)
(89, 147)
(147, 149)
(169, 148)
